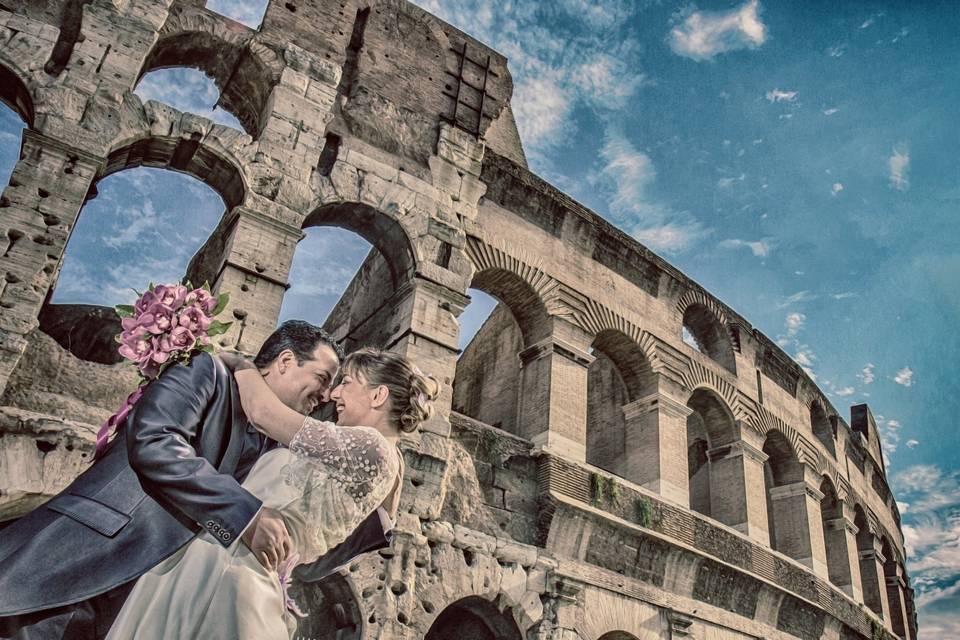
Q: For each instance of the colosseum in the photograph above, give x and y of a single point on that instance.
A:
(593, 476)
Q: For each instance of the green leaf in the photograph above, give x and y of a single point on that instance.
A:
(217, 328)
(206, 287)
(221, 303)
(124, 310)
(151, 288)
(207, 348)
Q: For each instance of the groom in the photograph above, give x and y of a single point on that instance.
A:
(176, 467)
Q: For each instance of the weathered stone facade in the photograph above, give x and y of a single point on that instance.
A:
(592, 475)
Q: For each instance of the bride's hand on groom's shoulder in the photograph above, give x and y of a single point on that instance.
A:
(236, 361)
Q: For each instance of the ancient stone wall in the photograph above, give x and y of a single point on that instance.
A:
(640, 486)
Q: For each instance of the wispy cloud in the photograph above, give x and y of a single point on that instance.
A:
(800, 296)
(759, 248)
(836, 188)
(248, 12)
(899, 164)
(776, 95)
(846, 392)
(705, 34)
(911, 443)
(626, 176)
(794, 323)
(867, 373)
(830, 111)
(188, 90)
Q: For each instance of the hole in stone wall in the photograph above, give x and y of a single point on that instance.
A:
(45, 447)
(188, 90)
(248, 12)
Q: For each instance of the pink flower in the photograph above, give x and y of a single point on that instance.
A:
(180, 339)
(170, 295)
(194, 319)
(135, 348)
(201, 297)
(144, 302)
(158, 318)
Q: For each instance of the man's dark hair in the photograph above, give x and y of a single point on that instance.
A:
(302, 338)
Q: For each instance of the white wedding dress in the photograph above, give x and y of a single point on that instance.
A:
(324, 485)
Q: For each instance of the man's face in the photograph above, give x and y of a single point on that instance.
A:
(305, 385)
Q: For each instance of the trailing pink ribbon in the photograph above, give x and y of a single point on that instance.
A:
(110, 426)
(284, 575)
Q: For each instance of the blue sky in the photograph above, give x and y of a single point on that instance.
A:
(797, 159)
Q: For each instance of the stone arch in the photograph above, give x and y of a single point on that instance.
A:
(822, 427)
(192, 156)
(834, 534)
(14, 92)
(376, 227)
(892, 574)
(870, 577)
(711, 431)
(708, 329)
(617, 635)
(473, 618)
(785, 489)
(619, 375)
(245, 71)
(489, 380)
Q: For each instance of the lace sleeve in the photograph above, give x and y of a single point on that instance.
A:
(342, 474)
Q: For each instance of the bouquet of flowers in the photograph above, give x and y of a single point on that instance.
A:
(167, 324)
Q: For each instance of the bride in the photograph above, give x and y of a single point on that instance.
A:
(328, 479)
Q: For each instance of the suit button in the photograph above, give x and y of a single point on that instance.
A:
(226, 535)
(209, 523)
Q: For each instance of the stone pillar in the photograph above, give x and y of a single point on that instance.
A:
(873, 579)
(736, 489)
(553, 396)
(895, 588)
(39, 207)
(799, 527)
(249, 257)
(843, 565)
(656, 446)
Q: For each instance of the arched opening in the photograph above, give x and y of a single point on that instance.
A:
(617, 635)
(892, 582)
(249, 13)
(234, 75)
(347, 273)
(708, 335)
(716, 485)
(16, 114)
(331, 607)
(822, 427)
(619, 375)
(834, 536)
(473, 618)
(489, 377)
(870, 576)
(786, 498)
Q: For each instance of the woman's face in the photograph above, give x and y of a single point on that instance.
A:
(353, 398)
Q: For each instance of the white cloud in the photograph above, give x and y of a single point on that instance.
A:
(837, 51)
(867, 373)
(723, 183)
(776, 95)
(703, 34)
(899, 164)
(800, 296)
(927, 488)
(904, 377)
(836, 188)
(133, 226)
(843, 295)
(795, 323)
(830, 112)
(846, 392)
(188, 90)
(805, 357)
(759, 248)
(911, 443)
(248, 12)
(627, 175)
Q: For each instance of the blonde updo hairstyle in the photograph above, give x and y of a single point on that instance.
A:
(411, 391)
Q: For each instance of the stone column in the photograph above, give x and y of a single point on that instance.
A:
(736, 489)
(799, 530)
(249, 257)
(38, 208)
(895, 587)
(840, 537)
(656, 446)
(873, 579)
(553, 396)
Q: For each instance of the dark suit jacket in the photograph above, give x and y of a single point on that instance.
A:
(175, 467)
